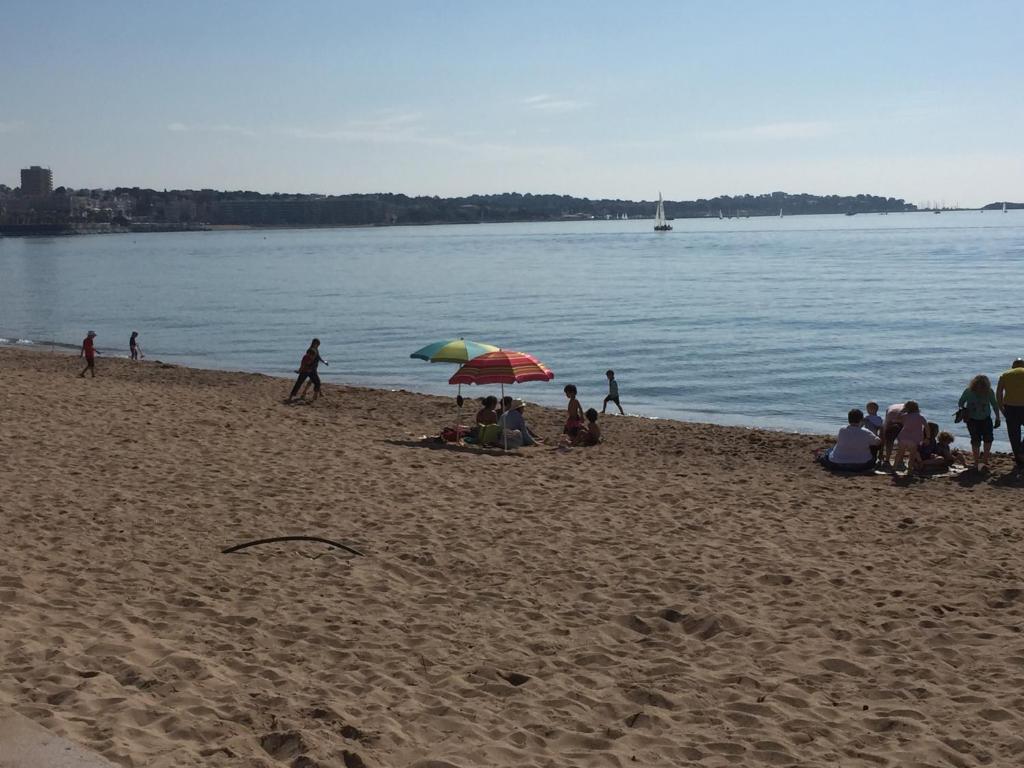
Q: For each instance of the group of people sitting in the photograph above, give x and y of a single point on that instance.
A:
(867, 442)
(505, 424)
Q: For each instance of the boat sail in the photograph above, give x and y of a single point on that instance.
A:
(660, 225)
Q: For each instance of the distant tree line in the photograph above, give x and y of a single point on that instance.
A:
(238, 207)
(253, 208)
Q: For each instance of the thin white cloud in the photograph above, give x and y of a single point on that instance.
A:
(11, 126)
(390, 127)
(545, 102)
(783, 131)
(215, 128)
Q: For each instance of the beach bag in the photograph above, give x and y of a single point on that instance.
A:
(453, 435)
(488, 434)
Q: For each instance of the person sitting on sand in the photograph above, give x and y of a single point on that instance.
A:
(487, 414)
(574, 416)
(979, 404)
(504, 406)
(911, 435)
(590, 434)
(891, 426)
(873, 422)
(89, 353)
(936, 450)
(852, 451)
(515, 432)
(307, 370)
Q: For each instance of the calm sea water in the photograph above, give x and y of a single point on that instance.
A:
(781, 323)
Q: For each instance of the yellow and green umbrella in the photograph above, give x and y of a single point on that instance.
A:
(453, 351)
(458, 351)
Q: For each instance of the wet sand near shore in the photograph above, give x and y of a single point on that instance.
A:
(684, 594)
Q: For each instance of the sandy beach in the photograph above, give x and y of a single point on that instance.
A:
(684, 594)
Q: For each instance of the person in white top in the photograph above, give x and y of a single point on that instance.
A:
(852, 451)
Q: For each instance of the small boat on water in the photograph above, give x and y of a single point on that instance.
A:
(660, 224)
(1004, 207)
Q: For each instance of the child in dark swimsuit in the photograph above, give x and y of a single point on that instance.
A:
(591, 433)
(574, 418)
(89, 353)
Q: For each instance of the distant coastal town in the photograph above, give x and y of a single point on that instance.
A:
(36, 207)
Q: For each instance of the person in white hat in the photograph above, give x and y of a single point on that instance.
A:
(89, 353)
(515, 432)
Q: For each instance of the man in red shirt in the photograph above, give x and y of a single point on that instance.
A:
(89, 353)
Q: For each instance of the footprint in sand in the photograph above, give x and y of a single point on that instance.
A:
(283, 746)
(844, 667)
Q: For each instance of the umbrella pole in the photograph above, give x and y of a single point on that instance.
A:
(504, 430)
(458, 419)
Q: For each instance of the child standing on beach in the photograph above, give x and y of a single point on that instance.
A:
(89, 353)
(134, 347)
(613, 393)
(574, 417)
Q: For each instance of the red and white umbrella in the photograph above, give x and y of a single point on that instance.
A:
(502, 367)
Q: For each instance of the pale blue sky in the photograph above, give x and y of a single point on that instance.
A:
(921, 100)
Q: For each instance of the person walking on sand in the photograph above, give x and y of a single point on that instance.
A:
(134, 347)
(307, 370)
(1010, 400)
(89, 353)
(979, 401)
(613, 393)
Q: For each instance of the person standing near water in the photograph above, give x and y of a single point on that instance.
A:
(979, 401)
(307, 370)
(134, 347)
(1010, 400)
(89, 353)
(613, 393)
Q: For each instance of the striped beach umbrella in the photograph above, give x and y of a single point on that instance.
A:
(453, 351)
(502, 367)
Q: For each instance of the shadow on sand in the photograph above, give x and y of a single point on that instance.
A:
(434, 445)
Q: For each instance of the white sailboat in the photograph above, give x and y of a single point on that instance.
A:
(660, 225)
(780, 213)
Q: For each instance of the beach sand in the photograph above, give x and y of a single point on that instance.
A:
(684, 594)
